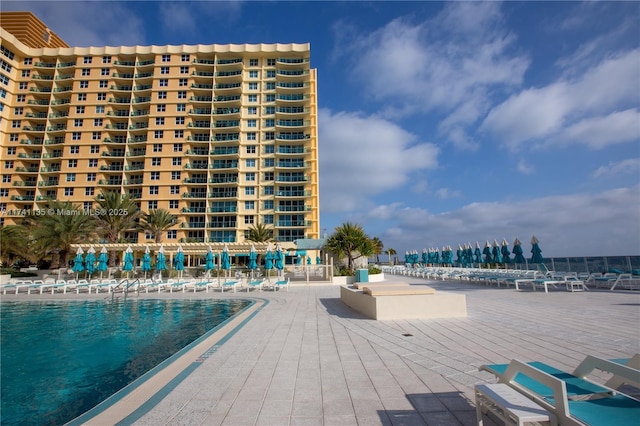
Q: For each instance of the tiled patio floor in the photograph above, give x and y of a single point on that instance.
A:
(307, 359)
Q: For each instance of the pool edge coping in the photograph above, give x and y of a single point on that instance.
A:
(137, 398)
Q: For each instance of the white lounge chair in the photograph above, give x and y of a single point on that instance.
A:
(281, 283)
(259, 283)
(230, 284)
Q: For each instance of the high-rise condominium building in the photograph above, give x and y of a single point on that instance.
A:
(223, 136)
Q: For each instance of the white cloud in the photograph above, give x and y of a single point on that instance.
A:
(525, 168)
(87, 23)
(177, 16)
(568, 110)
(615, 168)
(361, 156)
(447, 65)
(567, 225)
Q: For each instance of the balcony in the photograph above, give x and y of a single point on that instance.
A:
(229, 61)
(194, 195)
(226, 111)
(138, 139)
(292, 136)
(193, 210)
(295, 193)
(224, 164)
(227, 86)
(25, 183)
(62, 89)
(34, 155)
(206, 99)
(112, 168)
(225, 150)
(289, 61)
(200, 124)
(293, 223)
(293, 123)
(297, 97)
(37, 141)
(110, 182)
(27, 169)
(120, 100)
(201, 111)
(292, 73)
(66, 64)
(137, 153)
(197, 151)
(55, 141)
(117, 153)
(50, 182)
(231, 98)
(21, 198)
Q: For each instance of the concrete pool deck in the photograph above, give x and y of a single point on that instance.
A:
(305, 358)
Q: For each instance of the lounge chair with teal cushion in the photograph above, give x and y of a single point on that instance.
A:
(281, 283)
(259, 283)
(571, 397)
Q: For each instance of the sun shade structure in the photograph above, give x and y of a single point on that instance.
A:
(161, 261)
(517, 252)
(90, 260)
(146, 261)
(504, 249)
(496, 254)
(209, 265)
(78, 263)
(536, 253)
(103, 260)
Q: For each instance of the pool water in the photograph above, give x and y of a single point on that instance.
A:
(60, 359)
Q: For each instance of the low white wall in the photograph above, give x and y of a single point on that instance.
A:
(5, 278)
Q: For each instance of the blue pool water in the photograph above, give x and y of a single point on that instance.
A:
(60, 359)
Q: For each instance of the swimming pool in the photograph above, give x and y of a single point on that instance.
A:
(60, 359)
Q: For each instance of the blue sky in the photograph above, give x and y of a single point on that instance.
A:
(442, 123)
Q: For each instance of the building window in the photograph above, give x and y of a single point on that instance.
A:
(97, 122)
(68, 192)
(103, 84)
(79, 110)
(250, 177)
(166, 58)
(155, 175)
(269, 136)
(94, 149)
(102, 96)
(177, 161)
(86, 72)
(268, 177)
(182, 94)
(161, 108)
(71, 177)
(184, 70)
(253, 74)
(182, 82)
(178, 134)
(75, 136)
(156, 161)
(253, 62)
(251, 149)
(175, 175)
(174, 189)
(271, 73)
(164, 70)
(179, 120)
(251, 162)
(157, 147)
(18, 111)
(177, 147)
(72, 164)
(164, 82)
(152, 205)
(252, 123)
(253, 98)
(271, 86)
(91, 177)
(269, 122)
(96, 136)
(15, 124)
(158, 134)
(6, 178)
(269, 162)
(13, 137)
(77, 122)
(249, 205)
(250, 190)
(104, 71)
(87, 60)
(8, 164)
(84, 84)
(21, 98)
(271, 62)
(159, 121)
(253, 86)
(82, 97)
(181, 107)
(106, 59)
(251, 136)
(162, 95)
(12, 149)
(93, 162)
(268, 219)
(173, 204)
(252, 110)
(154, 189)
(74, 149)
(25, 73)
(270, 110)
(172, 234)
(100, 109)
(28, 61)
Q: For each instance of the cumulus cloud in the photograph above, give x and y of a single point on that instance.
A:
(446, 66)
(595, 109)
(365, 155)
(615, 168)
(88, 24)
(567, 225)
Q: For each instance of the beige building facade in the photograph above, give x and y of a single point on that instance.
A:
(223, 136)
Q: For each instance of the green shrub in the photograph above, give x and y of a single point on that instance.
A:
(374, 270)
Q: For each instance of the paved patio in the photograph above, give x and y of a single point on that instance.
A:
(307, 359)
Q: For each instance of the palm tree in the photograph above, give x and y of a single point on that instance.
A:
(260, 233)
(118, 213)
(14, 241)
(55, 233)
(377, 248)
(351, 241)
(157, 222)
(391, 252)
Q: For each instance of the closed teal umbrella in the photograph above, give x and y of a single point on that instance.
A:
(253, 259)
(178, 261)
(268, 259)
(90, 260)
(487, 253)
(145, 265)
(505, 252)
(536, 253)
(161, 261)
(278, 258)
(225, 261)
(518, 253)
(209, 265)
(78, 262)
(128, 260)
(477, 254)
(103, 260)
(495, 252)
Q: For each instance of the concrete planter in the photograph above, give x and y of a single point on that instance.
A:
(5, 278)
(344, 280)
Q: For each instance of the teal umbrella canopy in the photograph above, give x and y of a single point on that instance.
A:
(278, 258)
(495, 252)
(209, 265)
(487, 253)
(425, 256)
(318, 260)
(477, 254)
(161, 261)
(536, 253)
(145, 265)
(268, 258)
(178, 260)
(505, 252)
(78, 262)
(253, 258)
(128, 260)
(225, 261)
(90, 260)
(460, 255)
(518, 253)
(103, 260)
(308, 260)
